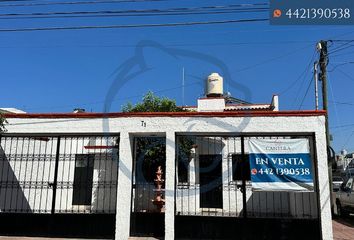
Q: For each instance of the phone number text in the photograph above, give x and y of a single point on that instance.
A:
(285, 171)
(318, 13)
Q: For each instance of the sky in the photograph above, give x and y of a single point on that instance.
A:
(103, 69)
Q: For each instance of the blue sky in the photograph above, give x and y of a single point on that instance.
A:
(56, 71)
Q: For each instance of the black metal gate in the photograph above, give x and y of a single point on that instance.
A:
(214, 193)
(147, 219)
(58, 185)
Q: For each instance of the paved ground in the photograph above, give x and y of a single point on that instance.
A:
(343, 229)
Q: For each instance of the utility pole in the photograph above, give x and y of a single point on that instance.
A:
(322, 48)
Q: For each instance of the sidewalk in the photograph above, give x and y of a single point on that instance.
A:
(343, 229)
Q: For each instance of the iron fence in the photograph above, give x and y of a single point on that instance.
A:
(213, 179)
(66, 174)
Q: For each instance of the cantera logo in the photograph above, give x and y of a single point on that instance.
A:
(254, 171)
(282, 148)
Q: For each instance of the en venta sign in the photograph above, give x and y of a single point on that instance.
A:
(281, 164)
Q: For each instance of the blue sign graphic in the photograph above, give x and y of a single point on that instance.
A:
(282, 168)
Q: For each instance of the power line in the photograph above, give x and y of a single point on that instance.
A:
(132, 25)
(338, 65)
(136, 11)
(346, 142)
(345, 74)
(215, 44)
(344, 126)
(91, 2)
(303, 74)
(118, 99)
(304, 77)
(272, 59)
(343, 103)
(307, 90)
(341, 47)
(86, 15)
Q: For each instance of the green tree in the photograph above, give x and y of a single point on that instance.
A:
(151, 151)
(153, 103)
(2, 123)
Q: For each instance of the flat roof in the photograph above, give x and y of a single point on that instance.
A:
(304, 113)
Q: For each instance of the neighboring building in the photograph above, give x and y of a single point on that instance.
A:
(93, 174)
(11, 110)
(345, 163)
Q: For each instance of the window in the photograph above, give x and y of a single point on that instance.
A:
(83, 177)
(210, 175)
(185, 150)
(183, 169)
(349, 183)
(240, 167)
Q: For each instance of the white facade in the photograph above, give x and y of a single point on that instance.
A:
(168, 125)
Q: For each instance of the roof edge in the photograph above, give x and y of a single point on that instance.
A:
(169, 114)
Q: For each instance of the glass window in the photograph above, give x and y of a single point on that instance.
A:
(349, 183)
(83, 177)
(240, 167)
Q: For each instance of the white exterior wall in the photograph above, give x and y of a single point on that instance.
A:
(171, 125)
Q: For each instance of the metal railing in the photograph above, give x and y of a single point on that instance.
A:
(221, 186)
(58, 174)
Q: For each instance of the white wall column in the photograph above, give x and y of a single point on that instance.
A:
(170, 186)
(124, 187)
(323, 183)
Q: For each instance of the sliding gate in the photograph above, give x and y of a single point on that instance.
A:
(214, 196)
(62, 186)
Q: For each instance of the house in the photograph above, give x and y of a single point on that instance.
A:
(197, 174)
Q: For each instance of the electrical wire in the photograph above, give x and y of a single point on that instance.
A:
(338, 65)
(345, 74)
(215, 44)
(176, 24)
(342, 47)
(304, 77)
(301, 75)
(343, 103)
(101, 2)
(347, 141)
(136, 14)
(136, 11)
(118, 99)
(307, 90)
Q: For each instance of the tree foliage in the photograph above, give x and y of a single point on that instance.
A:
(151, 151)
(2, 123)
(153, 103)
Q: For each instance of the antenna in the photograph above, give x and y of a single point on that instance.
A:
(315, 75)
(183, 86)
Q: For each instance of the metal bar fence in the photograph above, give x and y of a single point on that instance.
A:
(237, 199)
(66, 174)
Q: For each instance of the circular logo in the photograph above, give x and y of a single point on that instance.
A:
(277, 13)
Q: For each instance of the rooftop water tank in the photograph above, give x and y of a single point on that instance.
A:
(215, 86)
